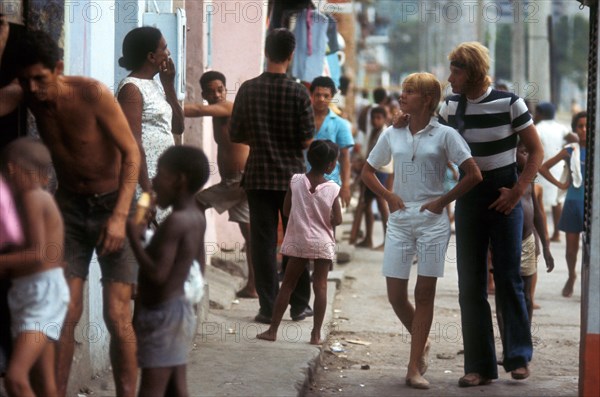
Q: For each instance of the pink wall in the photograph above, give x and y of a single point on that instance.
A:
(237, 51)
(238, 40)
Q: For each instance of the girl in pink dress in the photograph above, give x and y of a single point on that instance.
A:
(314, 210)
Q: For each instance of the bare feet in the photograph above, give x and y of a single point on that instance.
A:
(567, 291)
(380, 248)
(365, 244)
(268, 335)
(424, 361)
(417, 382)
(247, 292)
(315, 338)
(536, 306)
(555, 238)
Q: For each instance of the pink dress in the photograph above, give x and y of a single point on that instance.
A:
(10, 226)
(309, 233)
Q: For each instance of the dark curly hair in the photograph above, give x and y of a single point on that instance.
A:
(189, 161)
(321, 153)
(136, 46)
(38, 47)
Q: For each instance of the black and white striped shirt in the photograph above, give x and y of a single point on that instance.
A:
(492, 122)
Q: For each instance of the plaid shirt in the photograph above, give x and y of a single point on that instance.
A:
(274, 116)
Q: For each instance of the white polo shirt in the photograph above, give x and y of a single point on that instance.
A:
(420, 160)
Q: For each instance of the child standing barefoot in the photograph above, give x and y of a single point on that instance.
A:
(314, 210)
(163, 320)
(39, 294)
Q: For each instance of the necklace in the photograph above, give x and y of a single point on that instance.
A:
(417, 146)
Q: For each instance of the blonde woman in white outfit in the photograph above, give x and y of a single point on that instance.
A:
(418, 223)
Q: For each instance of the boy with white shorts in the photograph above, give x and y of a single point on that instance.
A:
(39, 294)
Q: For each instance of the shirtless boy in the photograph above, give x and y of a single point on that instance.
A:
(164, 320)
(39, 295)
(227, 195)
(97, 162)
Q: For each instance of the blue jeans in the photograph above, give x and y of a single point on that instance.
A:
(478, 228)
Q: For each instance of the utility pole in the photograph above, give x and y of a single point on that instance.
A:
(518, 52)
(539, 52)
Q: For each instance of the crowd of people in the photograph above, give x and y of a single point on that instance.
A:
(283, 153)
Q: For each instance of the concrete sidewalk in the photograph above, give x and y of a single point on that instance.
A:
(228, 360)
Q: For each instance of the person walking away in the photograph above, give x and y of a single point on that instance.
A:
(313, 206)
(274, 116)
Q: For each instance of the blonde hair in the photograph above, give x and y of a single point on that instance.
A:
(427, 85)
(475, 59)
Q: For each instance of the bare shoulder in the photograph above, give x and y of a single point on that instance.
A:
(38, 196)
(184, 221)
(228, 105)
(85, 85)
(130, 93)
(46, 199)
(41, 204)
(87, 92)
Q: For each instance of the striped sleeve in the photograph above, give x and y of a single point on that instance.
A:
(519, 114)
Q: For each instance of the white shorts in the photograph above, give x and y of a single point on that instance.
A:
(411, 232)
(39, 302)
(551, 195)
(528, 257)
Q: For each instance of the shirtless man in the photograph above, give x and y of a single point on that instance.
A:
(227, 195)
(97, 162)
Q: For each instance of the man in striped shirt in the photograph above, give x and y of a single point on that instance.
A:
(490, 215)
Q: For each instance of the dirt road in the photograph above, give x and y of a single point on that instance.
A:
(376, 346)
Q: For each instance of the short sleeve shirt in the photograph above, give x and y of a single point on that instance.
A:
(274, 116)
(491, 126)
(420, 160)
(338, 131)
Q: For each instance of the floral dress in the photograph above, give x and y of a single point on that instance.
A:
(156, 126)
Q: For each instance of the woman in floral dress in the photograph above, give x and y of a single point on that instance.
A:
(152, 109)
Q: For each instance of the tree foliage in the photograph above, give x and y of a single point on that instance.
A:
(404, 49)
(571, 48)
